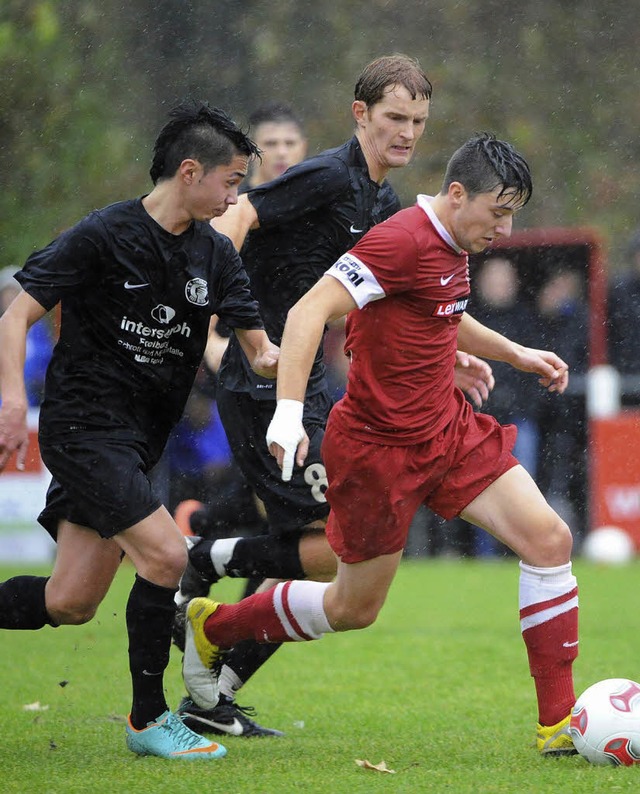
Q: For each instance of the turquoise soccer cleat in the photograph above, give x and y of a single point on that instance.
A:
(169, 737)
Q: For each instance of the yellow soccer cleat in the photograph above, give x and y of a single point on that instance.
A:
(202, 659)
(555, 740)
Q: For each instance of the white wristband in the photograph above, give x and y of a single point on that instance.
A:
(287, 432)
(291, 409)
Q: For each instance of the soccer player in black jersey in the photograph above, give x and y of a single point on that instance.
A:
(289, 232)
(138, 282)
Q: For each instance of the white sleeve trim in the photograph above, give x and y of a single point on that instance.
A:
(357, 279)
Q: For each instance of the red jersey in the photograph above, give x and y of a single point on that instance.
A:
(410, 281)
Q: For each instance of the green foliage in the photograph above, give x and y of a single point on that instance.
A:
(85, 85)
(438, 688)
(63, 150)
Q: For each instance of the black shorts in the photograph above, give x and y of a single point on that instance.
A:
(98, 482)
(289, 505)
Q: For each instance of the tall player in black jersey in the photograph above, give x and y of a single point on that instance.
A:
(138, 282)
(289, 232)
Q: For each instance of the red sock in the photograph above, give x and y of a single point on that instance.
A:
(271, 616)
(549, 622)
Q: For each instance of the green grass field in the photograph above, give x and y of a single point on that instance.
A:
(439, 689)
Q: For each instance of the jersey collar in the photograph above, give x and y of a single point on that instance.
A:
(424, 202)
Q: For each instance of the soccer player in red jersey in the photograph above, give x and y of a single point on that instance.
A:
(404, 434)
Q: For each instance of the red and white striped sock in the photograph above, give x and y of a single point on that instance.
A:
(288, 612)
(549, 625)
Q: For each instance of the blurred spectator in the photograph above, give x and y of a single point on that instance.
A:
(198, 448)
(497, 303)
(562, 327)
(624, 309)
(279, 134)
(40, 340)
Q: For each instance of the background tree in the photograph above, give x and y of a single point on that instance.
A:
(85, 86)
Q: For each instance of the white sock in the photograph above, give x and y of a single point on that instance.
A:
(549, 588)
(221, 552)
(304, 600)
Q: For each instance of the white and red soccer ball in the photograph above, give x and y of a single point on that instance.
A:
(605, 723)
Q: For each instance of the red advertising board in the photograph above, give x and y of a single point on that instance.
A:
(615, 472)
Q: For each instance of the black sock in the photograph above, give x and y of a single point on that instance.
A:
(262, 556)
(150, 612)
(200, 559)
(248, 656)
(22, 604)
(267, 556)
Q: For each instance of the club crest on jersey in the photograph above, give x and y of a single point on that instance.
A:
(351, 268)
(197, 292)
(449, 308)
(163, 314)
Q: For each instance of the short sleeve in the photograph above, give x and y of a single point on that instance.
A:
(71, 261)
(390, 252)
(382, 263)
(305, 187)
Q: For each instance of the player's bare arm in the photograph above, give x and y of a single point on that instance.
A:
(325, 302)
(237, 221)
(216, 345)
(260, 351)
(22, 313)
(483, 341)
(474, 376)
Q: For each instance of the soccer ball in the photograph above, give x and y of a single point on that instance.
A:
(609, 546)
(605, 723)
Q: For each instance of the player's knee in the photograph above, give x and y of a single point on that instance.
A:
(555, 543)
(165, 566)
(177, 558)
(350, 617)
(317, 557)
(69, 612)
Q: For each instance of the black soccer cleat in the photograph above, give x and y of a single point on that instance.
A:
(226, 719)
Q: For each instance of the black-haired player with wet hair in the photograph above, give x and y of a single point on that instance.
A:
(138, 282)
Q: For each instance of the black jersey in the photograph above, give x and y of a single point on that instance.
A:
(308, 217)
(136, 302)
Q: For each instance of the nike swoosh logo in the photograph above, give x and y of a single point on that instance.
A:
(570, 644)
(444, 281)
(127, 285)
(353, 230)
(233, 729)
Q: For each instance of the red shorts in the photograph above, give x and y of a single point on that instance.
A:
(375, 490)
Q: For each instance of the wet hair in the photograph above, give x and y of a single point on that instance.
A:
(390, 70)
(275, 113)
(484, 163)
(198, 132)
